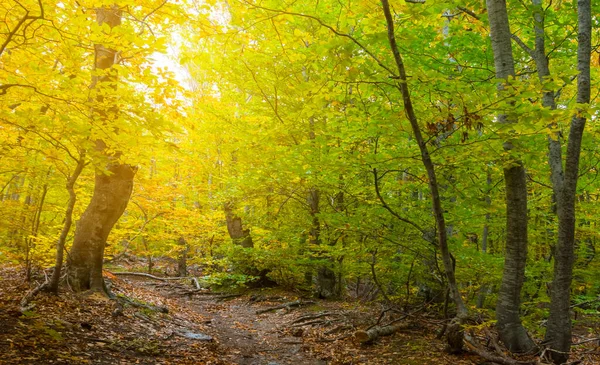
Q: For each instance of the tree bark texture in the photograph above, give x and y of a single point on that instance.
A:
(237, 233)
(372, 334)
(509, 325)
(558, 330)
(110, 198)
(112, 188)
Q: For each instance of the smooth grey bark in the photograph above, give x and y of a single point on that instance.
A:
(558, 329)
(455, 330)
(548, 100)
(509, 325)
(113, 186)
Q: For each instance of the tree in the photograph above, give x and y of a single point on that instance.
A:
(113, 185)
(455, 333)
(558, 330)
(511, 330)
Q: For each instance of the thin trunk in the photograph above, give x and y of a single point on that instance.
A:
(484, 290)
(558, 330)
(35, 229)
(182, 259)
(511, 330)
(60, 245)
(438, 212)
(23, 234)
(112, 188)
(548, 100)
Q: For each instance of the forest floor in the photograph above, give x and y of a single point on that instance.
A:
(203, 327)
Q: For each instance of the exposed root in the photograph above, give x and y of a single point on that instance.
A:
(145, 275)
(287, 306)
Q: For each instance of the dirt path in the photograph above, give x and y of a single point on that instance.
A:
(275, 338)
(91, 329)
(248, 338)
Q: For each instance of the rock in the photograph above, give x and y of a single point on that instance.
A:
(196, 336)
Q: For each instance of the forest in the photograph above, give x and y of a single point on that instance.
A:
(299, 182)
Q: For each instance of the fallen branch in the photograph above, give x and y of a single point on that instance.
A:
(597, 339)
(310, 317)
(24, 305)
(145, 275)
(323, 322)
(498, 359)
(369, 336)
(288, 306)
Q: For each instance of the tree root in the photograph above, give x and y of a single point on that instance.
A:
(154, 308)
(142, 274)
(288, 306)
(299, 320)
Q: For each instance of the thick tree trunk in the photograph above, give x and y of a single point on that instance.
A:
(237, 233)
(112, 188)
(110, 198)
(511, 330)
(558, 330)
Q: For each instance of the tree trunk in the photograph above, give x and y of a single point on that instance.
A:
(112, 188)
(511, 330)
(484, 290)
(438, 212)
(110, 198)
(326, 278)
(237, 233)
(182, 259)
(558, 330)
(60, 245)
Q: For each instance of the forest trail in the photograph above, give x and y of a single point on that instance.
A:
(247, 338)
(71, 329)
(317, 333)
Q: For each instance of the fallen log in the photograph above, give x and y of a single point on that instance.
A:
(372, 334)
(145, 275)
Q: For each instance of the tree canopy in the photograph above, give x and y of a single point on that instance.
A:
(351, 149)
